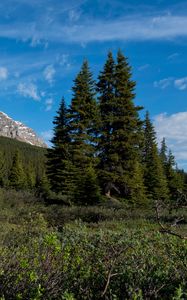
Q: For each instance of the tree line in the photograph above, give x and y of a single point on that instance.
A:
(22, 166)
(102, 148)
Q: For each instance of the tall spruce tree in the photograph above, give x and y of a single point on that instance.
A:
(163, 154)
(83, 120)
(106, 88)
(74, 141)
(17, 177)
(58, 158)
(82, 115)
(154, 177)
(120, 131)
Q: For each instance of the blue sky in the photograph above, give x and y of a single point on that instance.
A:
(43, 44)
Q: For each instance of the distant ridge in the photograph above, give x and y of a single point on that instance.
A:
(17, 130)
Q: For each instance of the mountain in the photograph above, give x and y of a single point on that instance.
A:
(17, 130)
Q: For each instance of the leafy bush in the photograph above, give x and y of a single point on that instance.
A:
(83, 264)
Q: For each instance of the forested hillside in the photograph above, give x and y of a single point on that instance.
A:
(30, 160)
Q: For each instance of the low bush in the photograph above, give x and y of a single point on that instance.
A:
(80, 263)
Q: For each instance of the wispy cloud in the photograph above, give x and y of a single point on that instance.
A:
(173, 56)
(74, 15)
(143, 67)
(49, 104)
(173, 128)
(3, 73)
(49, 73)
(28, 90)
(47, 136)
(181, 83)
(137, 27)
(63, 60)
(163, 83)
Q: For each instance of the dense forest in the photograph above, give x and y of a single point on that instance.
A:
(22, 166)
(101, 147)
(102, 213)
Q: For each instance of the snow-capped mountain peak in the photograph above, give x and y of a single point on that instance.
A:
(17, 130)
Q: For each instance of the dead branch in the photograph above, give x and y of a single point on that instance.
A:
(165, 229)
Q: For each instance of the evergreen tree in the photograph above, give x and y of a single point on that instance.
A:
(138, 193)
(17, 177)
(154, 177)
(2, 169)
(106, 88)
(149, 140)
(58, 155)
(30, 177)
(163, 154)
(87, 191)
(83, 119)
(174, 178)
(82, 116)
(121, 126)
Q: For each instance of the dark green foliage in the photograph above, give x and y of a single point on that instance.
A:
(83, 120)
(32, 158)
(154, 177)
(82, 116)
(30, 177)
(58, 156)
(174, 178)
(17, 177)
(107, 156)
(3, 170)
(163, 153)
(43, 188)
(87, 191)
(74, 142)
(138, 192)
(109, 136)
(120, 126)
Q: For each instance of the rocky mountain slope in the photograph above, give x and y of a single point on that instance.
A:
(17, 130)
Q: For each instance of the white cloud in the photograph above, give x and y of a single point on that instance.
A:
(47, 136)
(173, 56)
(173, 128)
(163, 83)
(63, 60)
(136, 28)
(28, 90)
(143, 67)
(3, 73)
(49, 73)
(49, 104)
(181, 83)
(129, 28)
